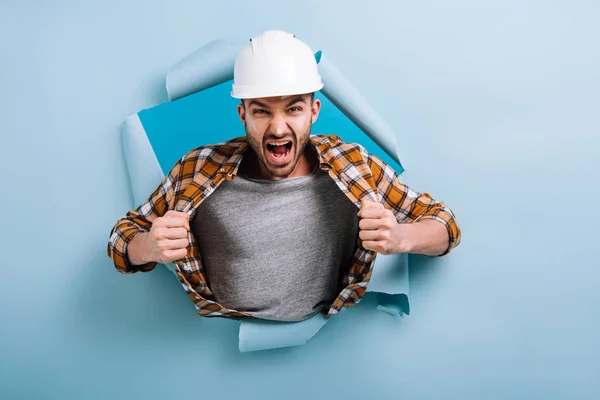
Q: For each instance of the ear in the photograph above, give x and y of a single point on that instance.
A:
(315, 109)
(242, 113)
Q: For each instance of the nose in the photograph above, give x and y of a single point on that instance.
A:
(279, 125)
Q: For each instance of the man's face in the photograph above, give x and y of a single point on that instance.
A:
(278, 129)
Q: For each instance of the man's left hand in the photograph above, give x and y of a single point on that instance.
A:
(379, 230)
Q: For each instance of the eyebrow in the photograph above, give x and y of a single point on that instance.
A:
(263, 105)
(257, 103)
(296, 100)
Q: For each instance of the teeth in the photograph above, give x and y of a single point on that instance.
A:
(279, 143)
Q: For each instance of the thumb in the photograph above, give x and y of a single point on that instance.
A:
(365, 202)
(186, 217)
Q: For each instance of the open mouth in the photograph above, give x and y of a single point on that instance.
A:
(279, 153)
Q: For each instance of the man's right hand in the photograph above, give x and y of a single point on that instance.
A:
(166, 241)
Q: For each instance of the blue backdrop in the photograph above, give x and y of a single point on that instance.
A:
(210, 116)
(495, 105)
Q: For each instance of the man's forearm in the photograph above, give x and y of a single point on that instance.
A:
(137, 249)
(428, 236)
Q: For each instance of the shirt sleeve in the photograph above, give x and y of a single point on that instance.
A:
(140, 220)
(411, 206)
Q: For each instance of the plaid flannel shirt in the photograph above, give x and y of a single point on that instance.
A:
(200, 171)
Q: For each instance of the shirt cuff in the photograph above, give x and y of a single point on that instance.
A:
(448, 220)
(118, 248)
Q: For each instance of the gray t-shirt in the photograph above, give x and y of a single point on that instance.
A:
(276, 249)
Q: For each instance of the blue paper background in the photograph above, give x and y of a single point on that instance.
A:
(210, 116)
(495, 105)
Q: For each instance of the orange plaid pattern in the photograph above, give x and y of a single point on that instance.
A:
(359, 174)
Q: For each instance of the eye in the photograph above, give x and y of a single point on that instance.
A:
(295, 109)
(260, 111)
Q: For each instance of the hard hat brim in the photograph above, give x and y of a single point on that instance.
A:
(253, 92)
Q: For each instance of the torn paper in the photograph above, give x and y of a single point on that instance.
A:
(208, 66)
(345, 96)
(389, 280)
(212, 65)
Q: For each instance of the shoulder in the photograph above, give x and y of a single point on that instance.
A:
(337, 146)
(336, 151)
(217, 154)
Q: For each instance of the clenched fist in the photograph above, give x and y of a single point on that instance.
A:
(166, 241)
(379, 230)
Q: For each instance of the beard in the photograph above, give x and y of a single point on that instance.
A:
(299, 142)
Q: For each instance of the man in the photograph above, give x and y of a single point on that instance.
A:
(279, 224)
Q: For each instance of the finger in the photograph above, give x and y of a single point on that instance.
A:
(372, 213)
(372, 245)
(175, 244)
(175, 222)
(175, 213)
(369, 224)
(179, 214)
(367, 204)
(372, 204)
(175, 233)
(172, 255)
(370, 235)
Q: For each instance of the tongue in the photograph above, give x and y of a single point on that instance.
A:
(279, 150)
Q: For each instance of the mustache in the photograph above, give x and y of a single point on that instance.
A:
(291, 136)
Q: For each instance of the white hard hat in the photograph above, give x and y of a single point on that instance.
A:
(275, 63)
